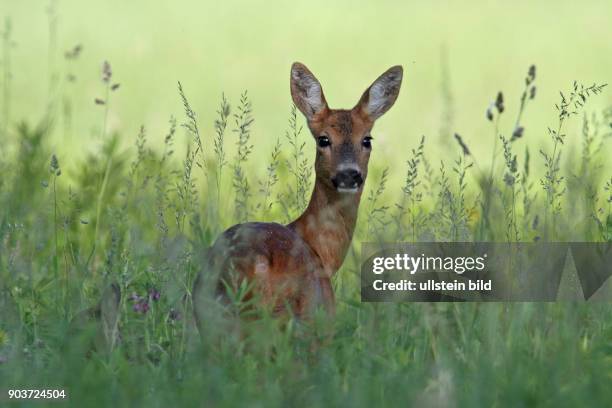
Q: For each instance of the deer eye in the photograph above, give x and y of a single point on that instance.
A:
(367, 142)
(323, 141)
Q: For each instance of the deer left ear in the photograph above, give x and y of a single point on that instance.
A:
(381, 95)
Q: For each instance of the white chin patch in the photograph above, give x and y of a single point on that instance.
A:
(346, 190)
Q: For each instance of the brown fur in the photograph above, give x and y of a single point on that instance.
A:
(292, 266)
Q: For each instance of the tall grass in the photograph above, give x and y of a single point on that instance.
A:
(552, 182)
(296, 197)
(142, 219)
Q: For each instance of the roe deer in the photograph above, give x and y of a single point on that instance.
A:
(290, 267)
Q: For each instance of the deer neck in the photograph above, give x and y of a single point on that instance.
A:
(327, 225)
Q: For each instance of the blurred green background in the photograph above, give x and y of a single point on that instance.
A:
(470, 49)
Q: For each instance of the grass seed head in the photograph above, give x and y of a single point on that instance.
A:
(499, 102)
(518, 133)
(466, 150)
(490, 112)
(54, 166)
(531, 74)
(107, 72)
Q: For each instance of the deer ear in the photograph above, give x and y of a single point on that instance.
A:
(306, 91)
(381, 95)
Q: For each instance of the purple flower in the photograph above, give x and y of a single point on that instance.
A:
(154, 294)
(141, 307)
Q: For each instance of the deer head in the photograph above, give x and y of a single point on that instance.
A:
(344, 138)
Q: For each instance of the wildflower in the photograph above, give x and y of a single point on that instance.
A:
(141, 307)
(509, 179)
(154, 294)
(141, 304)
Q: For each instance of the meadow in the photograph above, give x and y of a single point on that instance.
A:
(118, 169)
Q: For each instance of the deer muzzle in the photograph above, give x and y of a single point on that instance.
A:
(348, 181)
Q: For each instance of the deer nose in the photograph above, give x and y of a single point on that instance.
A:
(348, 179)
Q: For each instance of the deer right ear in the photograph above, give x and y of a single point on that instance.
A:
(306, 91)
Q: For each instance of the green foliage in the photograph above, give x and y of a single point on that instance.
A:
(243, 120)
(296, 198)
(141, 220)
